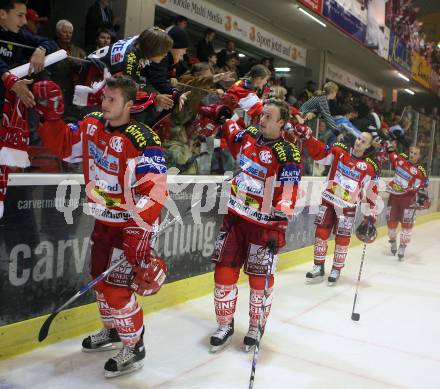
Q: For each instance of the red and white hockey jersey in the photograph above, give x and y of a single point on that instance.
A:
(124, 167)
(408, 177)
(270, 177)
(349, 177)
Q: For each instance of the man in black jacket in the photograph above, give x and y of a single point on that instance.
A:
(12, 19)
(100, 15)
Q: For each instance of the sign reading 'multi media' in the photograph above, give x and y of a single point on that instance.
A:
(212, 16)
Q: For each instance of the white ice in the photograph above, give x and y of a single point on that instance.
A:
(310, 341)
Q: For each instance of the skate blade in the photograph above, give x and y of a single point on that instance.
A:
(109, 347)
(393, 252)
(330, 283)
(316, 280)
(113, 374)
(249, 348)
(400, 258)
(216, 349)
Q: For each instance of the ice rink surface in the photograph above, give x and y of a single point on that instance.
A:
(310, 341)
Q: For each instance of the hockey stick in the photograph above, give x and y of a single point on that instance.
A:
(271, 248)
(355, 316)
(44, 330)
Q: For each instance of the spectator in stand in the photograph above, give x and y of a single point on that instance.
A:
(307, 93)
(104, 38)
(66, 73)
(224, 54)
(100, 15)
(178, 152)
(166, 73)
(230, 66)
(212, 62)
(278, 92)
(180, 22)
(34, 21)
(318, 104)
(205, 46)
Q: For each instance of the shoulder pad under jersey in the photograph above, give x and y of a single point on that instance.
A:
(373, 163)
(423, 170)
(253, 132)
(403, 155)
(95, 115)
(286, 152)
(341, 145)
(141, 135)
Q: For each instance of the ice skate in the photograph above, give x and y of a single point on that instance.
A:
(316, 275)
(104, 340)
(333, 277)
(222, 337)
(250, 339)
(127, 360)
(401, 252)
(393, 246)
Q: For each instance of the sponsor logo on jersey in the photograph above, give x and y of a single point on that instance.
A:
(413, 170)
(290, 173)
(105, 181)
(252, 167)
(116, 143)
(239, 136)
(131, 61)
(4, 52)
(108, 162)
(265, 156)
(402, 173)
(250, 185)
(100, 212)
(280, 151)
(118, 50)
(152, 161)
(348, 172)
(345, 182)
(361, 165)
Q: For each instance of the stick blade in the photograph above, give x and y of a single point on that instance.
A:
(44, 330)
(355, 316)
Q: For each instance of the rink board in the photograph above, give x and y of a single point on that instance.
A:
(44, 261)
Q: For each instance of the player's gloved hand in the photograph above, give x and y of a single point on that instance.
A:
(218, 113)
(143, 101)
(49, 98)
(148, 276)
(422, 201)
(303, 131)
(205, 126)
(136, 244)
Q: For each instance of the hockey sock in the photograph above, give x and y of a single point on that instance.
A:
(129, 322)
(392, 232)
(104, 311)
(340, 256)
(255, 306)
(405, 236)
(225, 301)
(320, 251)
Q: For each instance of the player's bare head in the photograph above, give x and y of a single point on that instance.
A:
(118, 97)
(276, 114)
(12, 14)
(414, 154)
(154, 43)
(362, 143)
(259, 74)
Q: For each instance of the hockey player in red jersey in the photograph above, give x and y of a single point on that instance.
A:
(262, 195)
(408, 192)
(351, 174)
(125, 176)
